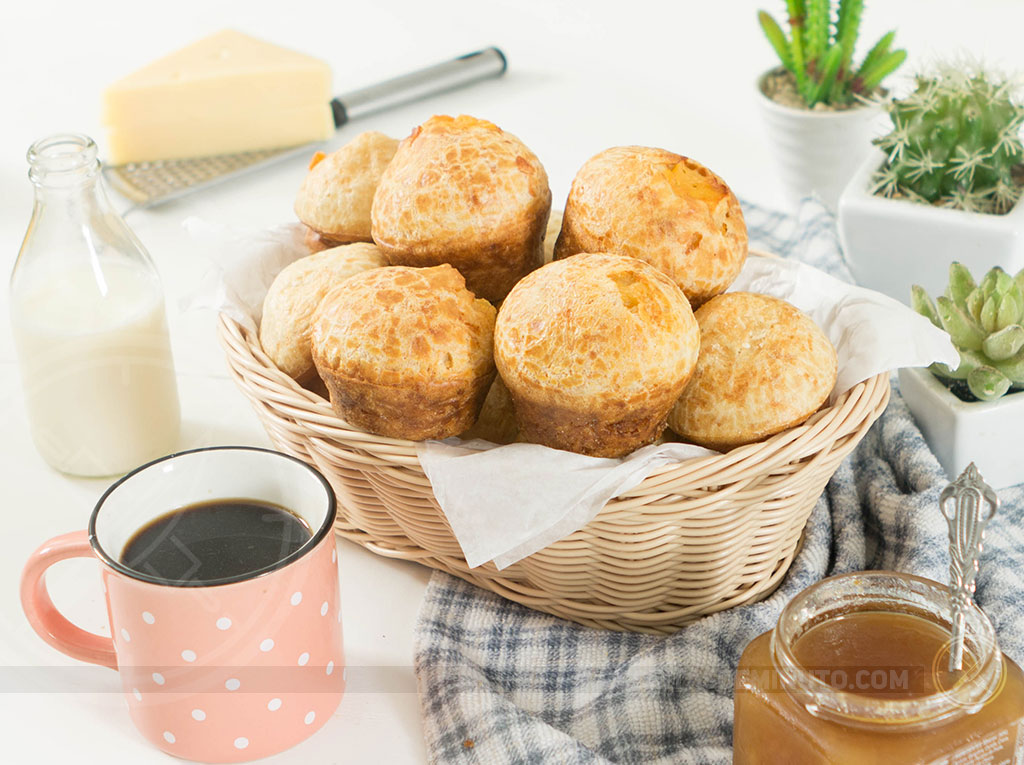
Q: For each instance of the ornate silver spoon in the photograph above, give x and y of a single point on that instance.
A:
(961, 505)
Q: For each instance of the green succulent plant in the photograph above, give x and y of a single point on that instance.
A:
(955, 142)
(819, 50)
(986, 324)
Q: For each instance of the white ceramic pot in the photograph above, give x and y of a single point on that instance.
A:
(960, 432)
(892, 244)
(818, 151)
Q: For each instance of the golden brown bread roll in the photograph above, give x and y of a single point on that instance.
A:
(296, 292)
(595, 349)
(662, 208)
(764, 367)
(497, 421)
(551, 234)
(335, 196)
(462, 191)
(314, 242)
(405, 352)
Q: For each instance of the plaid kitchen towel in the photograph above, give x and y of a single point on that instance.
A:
(500, 683)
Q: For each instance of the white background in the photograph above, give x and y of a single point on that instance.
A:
(583, 76)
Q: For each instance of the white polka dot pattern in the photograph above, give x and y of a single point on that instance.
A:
(166, 639)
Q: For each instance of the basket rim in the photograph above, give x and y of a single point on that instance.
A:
(273, 388)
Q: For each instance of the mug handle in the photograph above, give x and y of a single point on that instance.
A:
(44, 616)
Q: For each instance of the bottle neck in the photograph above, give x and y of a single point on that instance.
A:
(885, 592)
(68, 185)
(73, 220)
(63, 163)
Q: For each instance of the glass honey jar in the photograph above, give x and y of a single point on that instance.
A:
(856, 671)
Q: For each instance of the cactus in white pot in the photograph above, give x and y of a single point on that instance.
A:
(986, 324)
(820, 104)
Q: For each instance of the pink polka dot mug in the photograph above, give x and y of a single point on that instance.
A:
(217, 671)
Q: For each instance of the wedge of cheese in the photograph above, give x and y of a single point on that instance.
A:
(224, 94)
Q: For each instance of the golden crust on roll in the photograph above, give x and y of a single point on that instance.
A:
(314, 242)
(497, 421)
(764, 367)
(335, 197)
(595, 349)
(663, 208)
(551, 235)
(405, 352)
(295, 294)
(462, 191)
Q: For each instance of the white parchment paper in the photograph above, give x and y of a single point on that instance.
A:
(506, 502)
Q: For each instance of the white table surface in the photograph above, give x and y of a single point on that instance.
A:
(582, 76)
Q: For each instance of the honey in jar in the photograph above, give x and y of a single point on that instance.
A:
(857, 671)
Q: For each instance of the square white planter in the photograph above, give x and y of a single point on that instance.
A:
(987, 433)
(891, 244)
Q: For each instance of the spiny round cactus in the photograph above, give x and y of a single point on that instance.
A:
(986, 324)
(955, 142)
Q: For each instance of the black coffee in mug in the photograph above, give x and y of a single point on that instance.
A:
(207, 542)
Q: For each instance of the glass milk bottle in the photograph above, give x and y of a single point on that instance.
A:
(87, 313)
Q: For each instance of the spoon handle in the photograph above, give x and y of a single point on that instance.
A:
(961, 505)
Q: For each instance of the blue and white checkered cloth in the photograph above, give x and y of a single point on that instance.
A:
(501, 683)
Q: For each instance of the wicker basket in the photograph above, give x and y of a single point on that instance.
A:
(693, 538)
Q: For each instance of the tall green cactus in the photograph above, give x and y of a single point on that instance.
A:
(819, 51)
(986, 324)
(955, 142)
